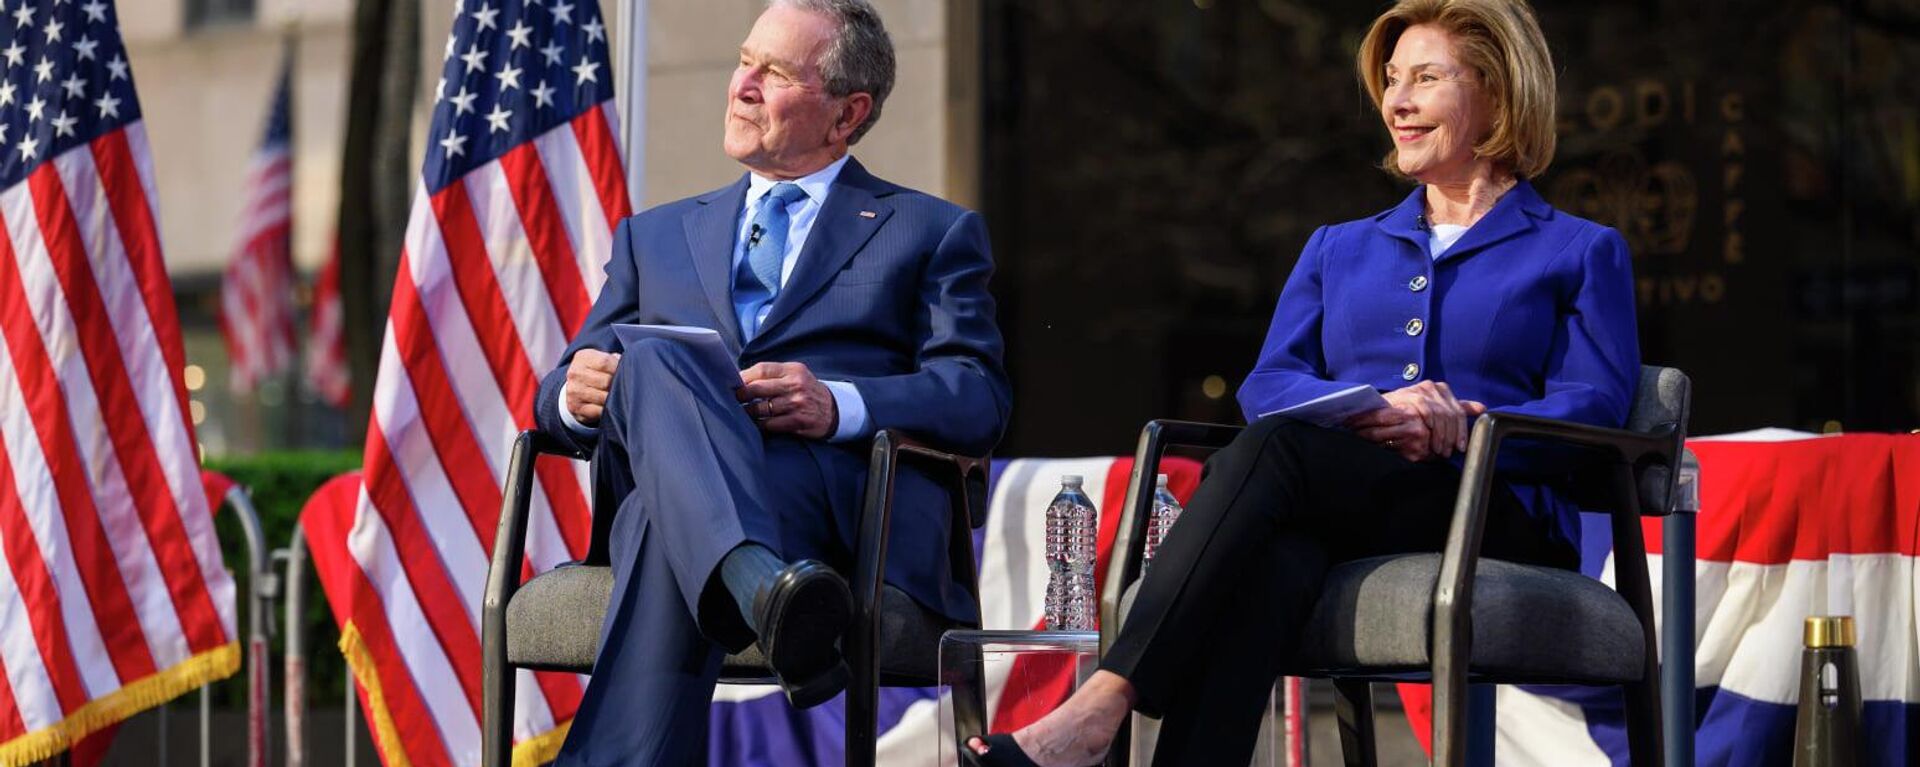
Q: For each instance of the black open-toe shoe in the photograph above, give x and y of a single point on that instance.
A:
(1001, 752)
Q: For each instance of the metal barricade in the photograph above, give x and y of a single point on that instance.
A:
(294, 662)
(294, 559)
(261, 586)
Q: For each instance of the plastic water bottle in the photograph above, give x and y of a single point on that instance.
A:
(1166, 511)
(1073, 532)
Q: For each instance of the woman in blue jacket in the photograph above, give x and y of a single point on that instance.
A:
(1471, 295)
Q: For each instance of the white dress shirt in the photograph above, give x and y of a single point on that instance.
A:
(1443, 236)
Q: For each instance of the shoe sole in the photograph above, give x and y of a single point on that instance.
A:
(814, 617)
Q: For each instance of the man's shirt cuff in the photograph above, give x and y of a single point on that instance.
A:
(566, 417)
(853, 411)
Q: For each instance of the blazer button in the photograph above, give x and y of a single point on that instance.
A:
(1418, 283)
(1414, 326)
(1410, 372)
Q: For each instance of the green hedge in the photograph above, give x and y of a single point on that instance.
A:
(279, 484)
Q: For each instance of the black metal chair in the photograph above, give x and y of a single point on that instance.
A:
(552, 622)
(1455, 617)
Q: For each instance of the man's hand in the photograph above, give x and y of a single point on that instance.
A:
(589, 377)
(1421, 421)
(785, 398)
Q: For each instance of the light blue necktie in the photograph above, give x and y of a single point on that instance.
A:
(757, 280)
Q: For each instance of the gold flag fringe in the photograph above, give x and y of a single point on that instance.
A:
(534, 751)
(361, 662)
(541, 749)
(210, 666)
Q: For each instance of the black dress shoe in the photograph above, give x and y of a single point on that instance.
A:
(803, 613)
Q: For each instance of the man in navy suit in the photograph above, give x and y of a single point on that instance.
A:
(850, 304)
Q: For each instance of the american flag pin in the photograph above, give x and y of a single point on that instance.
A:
(867, 214)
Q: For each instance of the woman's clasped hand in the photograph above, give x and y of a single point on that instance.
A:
(1421, 421)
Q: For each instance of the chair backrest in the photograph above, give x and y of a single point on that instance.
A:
(1661, 405)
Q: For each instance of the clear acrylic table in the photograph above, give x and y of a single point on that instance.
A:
(980, 670)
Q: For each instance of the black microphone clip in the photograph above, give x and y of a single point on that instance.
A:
(1420, 223)
(753, 236)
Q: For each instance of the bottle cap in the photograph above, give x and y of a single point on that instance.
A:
(1829, 631)
(1070, 479)
(1161, 480)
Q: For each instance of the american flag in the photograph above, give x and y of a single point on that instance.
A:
(256, 290)
(326, 353)
(511, 229)
(113, 597)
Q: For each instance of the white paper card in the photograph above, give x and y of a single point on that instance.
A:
(1334, 409)
(706, 343)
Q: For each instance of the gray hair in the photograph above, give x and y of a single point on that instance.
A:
(860, 58)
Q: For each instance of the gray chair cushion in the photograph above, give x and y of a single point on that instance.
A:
(1530, 624)
(553, 623)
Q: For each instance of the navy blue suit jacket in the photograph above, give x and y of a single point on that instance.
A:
(888, 293)
(1531, 311)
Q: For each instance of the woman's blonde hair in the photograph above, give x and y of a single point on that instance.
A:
(1501, 41)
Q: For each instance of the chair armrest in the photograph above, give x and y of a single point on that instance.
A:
(891, 448)
(510, 537)
(966, 466)
(503, 579)
(1686, 486)
(1123, 563)
(544, 444)
(1623, 450)
(1632, 447)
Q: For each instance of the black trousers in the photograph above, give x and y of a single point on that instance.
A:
(1218, 614)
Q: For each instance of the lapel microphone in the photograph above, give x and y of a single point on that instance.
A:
(1420, 223)
(753, 236)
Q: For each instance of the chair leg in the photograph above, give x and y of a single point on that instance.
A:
(1353, 706)
(1483, 719)
(497, 688)
(1645, 746)
(863, 710)
(1449, 721)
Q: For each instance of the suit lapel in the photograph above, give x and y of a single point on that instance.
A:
(1512, 215)
(710, 228)
(839, 232)
(1402, 222)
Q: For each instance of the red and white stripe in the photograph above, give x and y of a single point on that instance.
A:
(498, 272)
(110, 574)
(256, 289)
(326, 355)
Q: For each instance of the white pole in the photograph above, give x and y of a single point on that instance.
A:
(631, 98)
(353, 718)
(260, 588)
(296, 649)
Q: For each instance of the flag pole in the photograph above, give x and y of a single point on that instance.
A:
(631, 94)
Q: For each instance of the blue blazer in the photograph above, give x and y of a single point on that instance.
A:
(889, 293)
(1531, 311)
